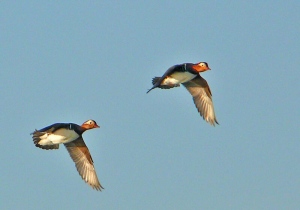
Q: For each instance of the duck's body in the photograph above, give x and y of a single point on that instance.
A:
(58, 133)
(187, 74)
(70, 135)
(174, 76)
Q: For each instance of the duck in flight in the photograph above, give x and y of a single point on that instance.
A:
(188, 74)
(70, 135)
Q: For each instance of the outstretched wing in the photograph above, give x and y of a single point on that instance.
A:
(199, 89)
(83, 162)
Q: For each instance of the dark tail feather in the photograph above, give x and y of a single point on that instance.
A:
(154, 81)
(151, 89)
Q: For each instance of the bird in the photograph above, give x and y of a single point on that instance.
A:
(188, 74)
(70, 135)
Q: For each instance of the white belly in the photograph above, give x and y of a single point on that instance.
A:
(178, 77)
(60, 136)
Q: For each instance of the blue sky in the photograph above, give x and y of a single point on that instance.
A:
(73, 61)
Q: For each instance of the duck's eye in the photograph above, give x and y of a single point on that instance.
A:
(91, 122)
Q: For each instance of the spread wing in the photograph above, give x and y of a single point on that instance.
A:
(199, 89)
(83, 162)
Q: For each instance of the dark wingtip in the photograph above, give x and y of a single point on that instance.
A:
(101, 188)
(98, 188)
(213, 122)
(217, 121)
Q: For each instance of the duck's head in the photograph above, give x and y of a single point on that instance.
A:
(200, 67)
(90, 124)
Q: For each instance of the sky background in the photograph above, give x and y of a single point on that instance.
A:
(70, 61)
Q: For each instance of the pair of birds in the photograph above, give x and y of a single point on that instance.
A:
(70, 134)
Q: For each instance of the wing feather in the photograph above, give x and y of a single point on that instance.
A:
(82, 158)
(199, 89)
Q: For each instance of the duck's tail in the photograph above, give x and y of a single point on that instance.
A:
(154, 83)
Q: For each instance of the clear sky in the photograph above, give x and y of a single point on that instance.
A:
(70, 61)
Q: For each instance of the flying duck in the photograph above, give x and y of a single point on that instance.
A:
(70, 135)
(188, 75)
